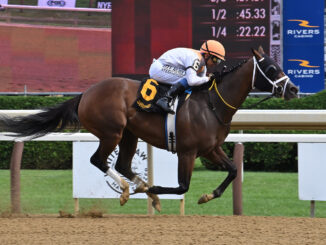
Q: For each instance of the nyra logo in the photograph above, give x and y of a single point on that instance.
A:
(138, 166)
(304, 70)
(304, 29)
(104, 5)
(59, 3)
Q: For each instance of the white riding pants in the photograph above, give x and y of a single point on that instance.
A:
(165, 74)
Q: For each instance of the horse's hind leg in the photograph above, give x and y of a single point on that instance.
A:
(186, 163)
(127, 149)
(99, 159)
(219, 157)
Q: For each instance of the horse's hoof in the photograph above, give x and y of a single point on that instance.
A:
(141, 188)
(156, 201)
(125, 192)
(205, 198)
(123, 199)
(157, 205)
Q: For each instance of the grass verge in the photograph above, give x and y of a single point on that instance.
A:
(264, 194)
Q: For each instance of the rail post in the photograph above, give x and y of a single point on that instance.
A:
(15, 164)
(150, 181)
(237, 182)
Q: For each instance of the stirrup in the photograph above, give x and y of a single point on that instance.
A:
(163, 103)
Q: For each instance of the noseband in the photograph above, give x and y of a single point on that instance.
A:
(277, 90)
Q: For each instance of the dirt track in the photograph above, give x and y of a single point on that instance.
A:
(143, 229)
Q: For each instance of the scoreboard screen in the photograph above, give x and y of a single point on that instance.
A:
(239, 25)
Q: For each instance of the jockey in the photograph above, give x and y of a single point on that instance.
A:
(185, 67)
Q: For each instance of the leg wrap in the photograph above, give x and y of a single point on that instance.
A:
(114, 175)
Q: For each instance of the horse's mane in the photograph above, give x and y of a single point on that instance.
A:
(233, 68)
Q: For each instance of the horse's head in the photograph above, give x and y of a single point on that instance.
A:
(269, 77)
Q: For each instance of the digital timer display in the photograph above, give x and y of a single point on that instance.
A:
(239, 25)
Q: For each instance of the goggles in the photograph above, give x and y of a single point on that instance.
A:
(216, 60)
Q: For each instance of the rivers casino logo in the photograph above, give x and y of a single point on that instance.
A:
(302, 29)
(303, 69)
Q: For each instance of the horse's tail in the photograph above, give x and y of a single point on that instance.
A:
(52, 119)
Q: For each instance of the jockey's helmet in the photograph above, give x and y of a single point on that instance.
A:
(214, 48)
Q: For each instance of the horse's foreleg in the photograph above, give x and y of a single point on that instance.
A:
(185, 167)
(128, 146)
(219, 157)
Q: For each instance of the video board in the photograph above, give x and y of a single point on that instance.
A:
(239, 25)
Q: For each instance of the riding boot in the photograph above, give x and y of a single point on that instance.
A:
(165, 102)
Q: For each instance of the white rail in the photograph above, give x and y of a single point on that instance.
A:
(279, 119)
(300, 138)
(254, 119)
(31, 7)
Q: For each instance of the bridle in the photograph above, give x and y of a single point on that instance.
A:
(277, 90)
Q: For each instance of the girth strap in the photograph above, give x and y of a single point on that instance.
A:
(170, 129)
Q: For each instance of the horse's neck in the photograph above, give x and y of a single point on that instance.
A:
(234, 89)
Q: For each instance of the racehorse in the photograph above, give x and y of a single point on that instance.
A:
(202, 124)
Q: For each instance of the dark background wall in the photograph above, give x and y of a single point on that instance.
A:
(144, 29)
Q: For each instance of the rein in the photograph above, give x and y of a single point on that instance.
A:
(213, 108)
(261, 101)
(219, 95)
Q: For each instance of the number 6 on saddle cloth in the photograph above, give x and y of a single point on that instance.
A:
(148, 93)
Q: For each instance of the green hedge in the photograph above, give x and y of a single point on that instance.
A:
(258, 156)
(316, 101)
(39, 155)
(29, 102)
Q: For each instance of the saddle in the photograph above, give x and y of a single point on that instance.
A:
(149, 92)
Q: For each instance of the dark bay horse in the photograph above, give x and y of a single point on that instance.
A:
(203, 122)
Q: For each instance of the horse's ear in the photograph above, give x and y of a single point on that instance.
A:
(261, 50)
(256, 54)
